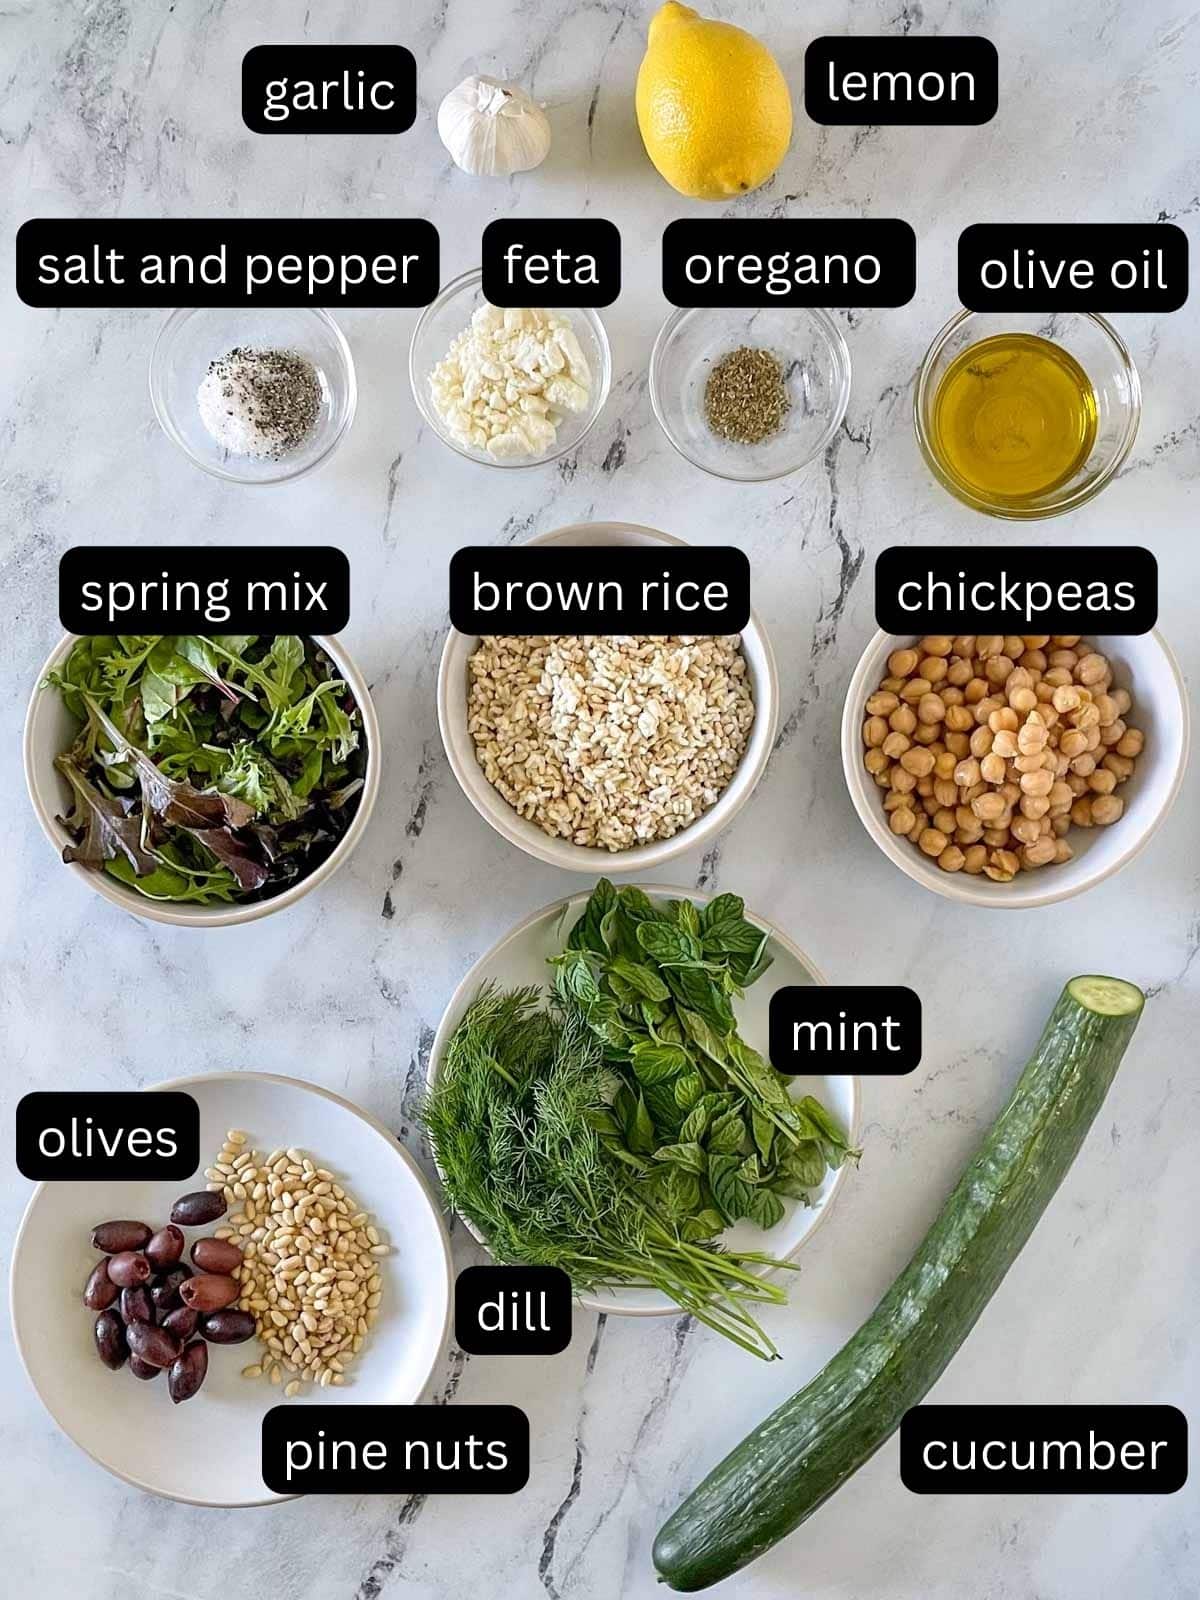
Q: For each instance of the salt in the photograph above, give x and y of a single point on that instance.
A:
(262, 403)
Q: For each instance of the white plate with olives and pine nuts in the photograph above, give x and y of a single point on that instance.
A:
(308, 1259)
(1014, 771)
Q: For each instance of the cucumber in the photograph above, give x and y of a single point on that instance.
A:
(804, 1451)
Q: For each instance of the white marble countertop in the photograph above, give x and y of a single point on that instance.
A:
(130, 107)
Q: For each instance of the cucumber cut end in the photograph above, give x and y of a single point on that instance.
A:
(1107, 997)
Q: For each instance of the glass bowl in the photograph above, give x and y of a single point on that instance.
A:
(1102, 354)
(191, 339)
(816, 363)
(445, 318)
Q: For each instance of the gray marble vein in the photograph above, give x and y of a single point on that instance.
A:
(130, 107)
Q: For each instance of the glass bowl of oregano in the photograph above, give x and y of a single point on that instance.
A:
(750, 394)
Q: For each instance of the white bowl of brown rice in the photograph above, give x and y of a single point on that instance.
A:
(608, 753)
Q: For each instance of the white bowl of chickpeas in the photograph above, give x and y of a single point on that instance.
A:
(1014, 771)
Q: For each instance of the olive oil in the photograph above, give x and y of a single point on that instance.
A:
(1014, 417)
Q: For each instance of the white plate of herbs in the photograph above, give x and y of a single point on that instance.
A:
(600, 1099)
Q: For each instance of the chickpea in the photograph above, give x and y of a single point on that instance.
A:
(928, 804)
(997, 669)
(881, 779)
(1062, 851)
(1061, 825)
(1086, 717)
(1034, 761)
(1107, 707)
(875, 731)
(1005, 743)
(903, 719)
(1131, 743)
(931, 709)
(981, 741)
(1035, 806)
(951, 859)
(875, 761)
(1063, 658)
(976, 689)
(945, 792)
(1113, 733)
(937, 644)
(1102, 781)
(1065, 639)
(943, 820)
(933, 668)
(932, 841)
(1003, 718)
(1002, 866)
(925, 787)
(959, 719)
(1073, 744)
(1057, 676)
(1081, 812)
(1106, 808)
(965, 644)
(902, 820)
(1023, 700)
(1038, 853)
(903, 663)
(1044, 692)
(992, 768)
(944, 764)
(989, 807)
(958, 744)
(1035, 641)
(974, 860)
(882, 704)
(1120, 766)
(1013, 644)
(1083, 766)
(893, 801)
(967, 772)
(902, 781)
(995, 838)
(950, 695)
(1066, 698)
(1026, 829)
(959, 673)
(965, 819)
(926, 733)
(1037, 783)
(1121, 699)
(895, 745)
(1091, 668)
(892, 685)
(1034, 660)
(914, 688)
(989, 644)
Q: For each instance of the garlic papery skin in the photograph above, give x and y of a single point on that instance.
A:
(492, 128)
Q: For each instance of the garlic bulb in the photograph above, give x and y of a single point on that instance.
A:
(493, 128)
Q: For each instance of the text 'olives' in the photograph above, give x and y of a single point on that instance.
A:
(100, 1291)
(216, 1255)
(111, 1344)
(195, 1209)
(164, 1249)
(112, 1237)
(228, 1327)
(209, 1291)
(136, 1305)
(188, 1371)
(129, 1268)
(158, 1347)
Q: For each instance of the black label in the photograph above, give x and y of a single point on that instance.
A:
(118, 1134)
(874, 1030)
(1073, 266)
(1044, 1449)
(108, 588)
(512, 1311)
(786, 261)
(329, 88)
(548, 262)
(600, 588)
(1016, 589)
(898, 81)
(196, 261)
(378, 1449)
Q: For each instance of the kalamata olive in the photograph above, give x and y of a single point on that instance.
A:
(100, 1291)
(142, 1369)
(201, 1206)
(111, 1345)
(113, 1237)
(136, 1305)
(164, 1290)
(228, 1327)
(165, 1248)
(216, 1255)
(188, 1372)
(182, 1321)
(129, 1268)
(157, 1347)
(209, 1291)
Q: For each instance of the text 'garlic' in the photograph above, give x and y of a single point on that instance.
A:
(492, 128)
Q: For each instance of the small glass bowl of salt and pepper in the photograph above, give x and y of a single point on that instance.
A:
(253, 396)
(750, 395)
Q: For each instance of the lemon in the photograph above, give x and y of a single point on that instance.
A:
(712, 105)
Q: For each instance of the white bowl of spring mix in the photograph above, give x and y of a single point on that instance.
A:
(202, 781)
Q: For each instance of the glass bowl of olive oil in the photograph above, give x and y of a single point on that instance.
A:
(1026, 420)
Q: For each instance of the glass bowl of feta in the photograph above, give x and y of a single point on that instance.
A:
(511, 387)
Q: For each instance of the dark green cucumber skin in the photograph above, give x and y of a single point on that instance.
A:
(778, 1476)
